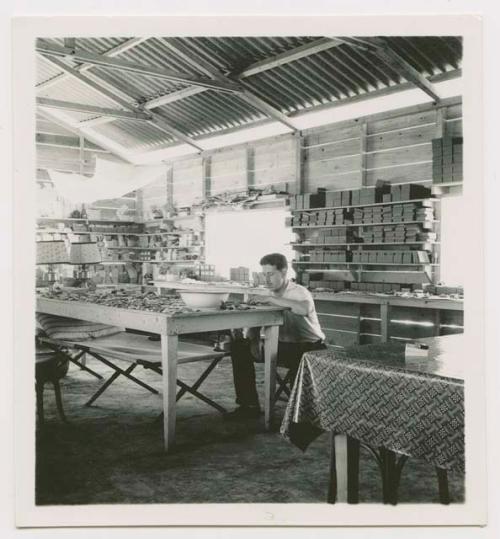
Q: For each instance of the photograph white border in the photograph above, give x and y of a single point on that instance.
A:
(25, 30)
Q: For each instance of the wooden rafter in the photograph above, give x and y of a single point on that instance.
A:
(102, 111)
(292, 55)
(123, 65)
(246, 95)
(158, 120)
(380, 48)
(59, 118)
(63, 141)
(115, 51)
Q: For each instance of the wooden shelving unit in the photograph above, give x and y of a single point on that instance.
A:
(162, 244)
(365, 227)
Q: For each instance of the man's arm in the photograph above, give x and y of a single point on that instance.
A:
(300, 307)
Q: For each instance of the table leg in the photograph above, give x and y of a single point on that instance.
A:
(353, 447)
(271, 358)
(169, 345)
(385, 320)
(337, 489)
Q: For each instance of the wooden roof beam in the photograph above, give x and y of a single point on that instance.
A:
(292, 55)
(379, 47)
(154, 117)
(115, 51)
(263, 65)
(172, 97)
(81, 107)
(60, 118)
(62, 141)
(246, 95)
(123, 65)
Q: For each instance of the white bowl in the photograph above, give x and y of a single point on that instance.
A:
(203, 300)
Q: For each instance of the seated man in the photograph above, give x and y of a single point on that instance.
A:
(299, 333)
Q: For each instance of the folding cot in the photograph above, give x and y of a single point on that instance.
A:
(139, 350)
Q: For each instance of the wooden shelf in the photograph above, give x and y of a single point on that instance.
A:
(448, 184)
(362, 264)
(361, 244)
(133, 248)
(135, 234)
(72, 220)
(430, 221)
(173, 247)
(368, 205)
(363, 271)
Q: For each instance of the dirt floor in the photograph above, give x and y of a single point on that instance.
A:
(111, 452)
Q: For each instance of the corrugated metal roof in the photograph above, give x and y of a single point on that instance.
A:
(348, 68)
(135, 135)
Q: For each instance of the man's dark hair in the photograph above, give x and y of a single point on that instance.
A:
(277, 260)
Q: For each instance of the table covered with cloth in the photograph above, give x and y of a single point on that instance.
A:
(413, 407)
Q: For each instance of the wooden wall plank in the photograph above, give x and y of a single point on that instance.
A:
(401, 138)
(330, 134)
(401, 156)
(452, 317)
(454, 128)
(330, 151)
(334, 307)
(455, 111)
(451, 331)
(332, 166)
(341, 338)
(371, 326)
(343, 323)
(401, 174)
(410, 332)
(370, 339)
(402, 122)
(351, 180)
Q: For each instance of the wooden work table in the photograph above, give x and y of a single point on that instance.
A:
(169, 327)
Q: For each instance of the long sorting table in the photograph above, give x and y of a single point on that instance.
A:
(169, 327)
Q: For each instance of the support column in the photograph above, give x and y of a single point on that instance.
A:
(363, 128)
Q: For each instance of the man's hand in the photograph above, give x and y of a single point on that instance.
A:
(259, 300)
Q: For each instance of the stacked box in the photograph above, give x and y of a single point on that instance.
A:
(355, 197)
(369, 195)
(376, 287)
(447, 160)
(331, 285)
(304, 279)
(410, 191)
(346, 198)
(258, 278)
(240, 274)
(317, 200)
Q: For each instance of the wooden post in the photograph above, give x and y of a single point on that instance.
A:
(271, 358)
(82, 153)
(169, 345)
(385, 313)
(250, 166)
(206, 165)
(363, 128)
(437, 322)
(170, 186)
(299, 164)
(440, 122)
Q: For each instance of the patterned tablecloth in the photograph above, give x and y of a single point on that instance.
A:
(370, 393)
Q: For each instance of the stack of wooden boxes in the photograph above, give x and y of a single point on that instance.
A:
(239, 274)
(447, 160)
